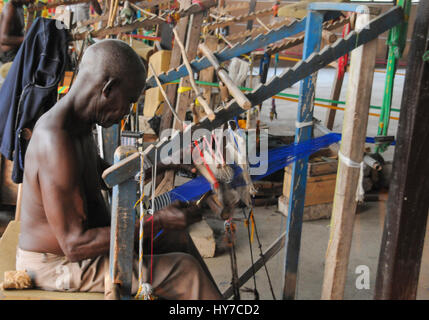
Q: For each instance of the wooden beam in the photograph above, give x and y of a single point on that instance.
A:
(408, 203)
(252, 6)
(352, 151)
(176, 58)
(148, 22)
(184, 99)
(124, 197)
(335, 95)
(207, 75)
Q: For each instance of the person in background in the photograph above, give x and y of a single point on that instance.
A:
(12, 29)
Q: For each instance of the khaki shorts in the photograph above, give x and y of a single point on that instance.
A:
(175, 275)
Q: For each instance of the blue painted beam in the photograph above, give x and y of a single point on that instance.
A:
(247, 46)
(313, 37)
(338, 6)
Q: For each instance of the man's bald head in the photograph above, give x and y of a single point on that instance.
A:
(111, 77)
(112, 59)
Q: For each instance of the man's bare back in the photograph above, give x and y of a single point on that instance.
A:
(53, 139)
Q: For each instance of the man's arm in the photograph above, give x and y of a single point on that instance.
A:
(64, 202)
(7, 25)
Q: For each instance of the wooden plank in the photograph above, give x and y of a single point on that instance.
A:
(252, 6)
(335, 95)
(352, 147)
(319, 189)
(176, 58)
(153, 97)
(207, 75)
(124, 197)
(193, 38)
(312, 42)
(184, 99)
(408, 203)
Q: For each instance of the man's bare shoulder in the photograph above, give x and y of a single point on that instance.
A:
(50, 140)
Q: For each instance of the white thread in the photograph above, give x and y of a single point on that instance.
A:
(151, 211)
(146, 291)
(348, 162)
(360, 192)
(141, 220)
(300, 125)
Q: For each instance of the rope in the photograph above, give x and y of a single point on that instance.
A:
(261, 254)
(145, 290)
(250, 237)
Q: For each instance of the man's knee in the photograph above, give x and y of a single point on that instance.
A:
(188, 263)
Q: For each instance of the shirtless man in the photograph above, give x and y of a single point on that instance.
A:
(64, 220)
(11, 29)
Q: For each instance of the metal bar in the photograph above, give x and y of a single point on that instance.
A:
(313, 38)
(273, 249)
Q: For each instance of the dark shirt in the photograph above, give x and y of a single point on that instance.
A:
(30, 88)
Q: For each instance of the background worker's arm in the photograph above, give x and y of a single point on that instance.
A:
(7, 26)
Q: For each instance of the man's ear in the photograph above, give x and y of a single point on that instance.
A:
(108, 87)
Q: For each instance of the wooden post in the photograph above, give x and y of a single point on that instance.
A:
(18, 203)
(335, 95)
(408, 203)
(350, 159)
(338, 84)
(183, 100)
(110, 139)
(313, 37)
(176, 58)
(124, 197)
(208, 74)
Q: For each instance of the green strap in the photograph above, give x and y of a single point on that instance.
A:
(396, 41)
(286, 95)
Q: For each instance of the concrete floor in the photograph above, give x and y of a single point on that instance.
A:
(368, 225)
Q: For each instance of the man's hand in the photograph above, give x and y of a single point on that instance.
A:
(174, 217)
(178, 216)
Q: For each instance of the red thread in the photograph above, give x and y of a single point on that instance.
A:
(199, 3)
(343, 61)
(151, 253)
(216, 183)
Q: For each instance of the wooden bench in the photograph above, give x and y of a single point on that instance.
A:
(8, 245)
